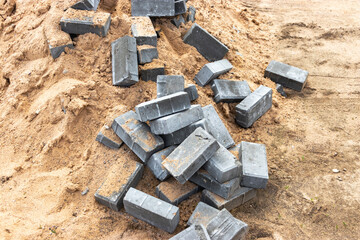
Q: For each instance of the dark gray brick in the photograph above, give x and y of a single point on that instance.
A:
(194, 232)
(90, 5)
(163, 106)
(124, 62)
(177, 121)
(147, 53)
(151, 71)
(107, 141)
(190, 155)
(192, 91)
(57, 51)
(202, 214)
(120, 178)
(155, 161)
(191, 14)
(169, 84)
(286, 75)
(153, 8)
(137, 136)
(280, 90)
(254, 165)
(180, 7)
(206, 44)
(211, 71)
(81, 22)
(143, 30)
(230, 91)
(254, 106)
(216, 127)
(173, 192)
(178, 20)
(151, 210)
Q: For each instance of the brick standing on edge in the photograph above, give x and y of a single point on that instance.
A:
(211, 71)
(143, 30)
(153, 8)
(230, 91)
(155, 163)
(180, 7)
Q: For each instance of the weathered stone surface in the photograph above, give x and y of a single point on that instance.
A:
(254, 106)
(173, 192)
(155, 163)
(169, 84)
(153, 8)
(286, 75)
(143, 31)
(192, 91)
(151, 210)
(147, 53)
(90, 5)
(230, 91)
(202, 215)
(180, 7)
(194, 232)
(190, 155)
(211, 71)
(151, 70)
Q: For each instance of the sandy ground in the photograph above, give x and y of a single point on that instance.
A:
(48, 156)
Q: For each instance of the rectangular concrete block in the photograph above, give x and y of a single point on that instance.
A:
(253, 106)
(230, 91)
(254, 165)
(286, 75)
(225, 226)
(143, 30)
(121, 177)
(202, 215)
(241, 195)
(150, 71)
(147, 53)
(191, 155)
(205, 180)
(192, 91)
(151, 210)
(153, 8)
(155, 163)
(216, 127)
(124, 62)
(81, 22)
(206, 44)
(191, 14)
(179, 136)
(137, 135)
(163, 106)
(194, 232)
(211, 71)
(90, 5)
(173, 192)
(177, 121)
(169, 84)
(180, 7)
(223, 166)
(107, 141)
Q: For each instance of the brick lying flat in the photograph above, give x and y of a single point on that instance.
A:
(192, 91)
(137, 136)
(202, 214)
(205, 180)
(153, 8)
(211, 71)
(169, 84)
(253, 106)
(57, 41)
(151, 210)
(124, 62)
(90, 5)
(178, 20)
(254, 165)
(286, 75)
(155, 161)
(151, 70)
(216, 127)
(173, 192)
(230, 91)
(225, 226)
(120, 178)
(179, 136)
(223, 166)
(191, 14)
(190, 155)
(194, 232)
(143, 30)
(177, 121)
(163, 106)
(180, 7)
(206, 44)
(81, 22)
(107, 141)
(240, 196)
(147, 53)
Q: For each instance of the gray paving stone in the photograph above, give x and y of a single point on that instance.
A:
(225, 226)
(211, 71)
(177, 121)
(206, 44)
(194, 232)
(57, 51)
(253, 106)
(107, 141)
(163, 106)
(180, 7)
(124, 62)
(151, 210)
(179, 136)
(280, 90)
(120, 178)
(137, 136)
(178, 20)
(254, 165)
(169, 84)
(216, 127)
(173, 192)
(147, 53)
(205, 180)
(81, 22)
(202, 215)
(240, 196)
(192, 91)
(190, 155)
(151, 71)
(230, 91)
(191, 14)
(153, 8)
(286, 75)
(223, 166)
(90, 5)
(155, 161)
(143, 30)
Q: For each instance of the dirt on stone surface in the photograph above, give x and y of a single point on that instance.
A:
(51, 111)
